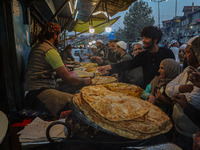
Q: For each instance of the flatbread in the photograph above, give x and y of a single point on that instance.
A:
(89, 64)
(83, 74)
(113, 106)
(128, 129)
(103, 79)
(127, 89)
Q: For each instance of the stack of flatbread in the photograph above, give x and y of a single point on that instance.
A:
(103, 80)
(126, 116)
(83, 74)
(127, 89)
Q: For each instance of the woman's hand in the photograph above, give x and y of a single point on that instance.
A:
(158, 94)
(151, 99)
(161, 100)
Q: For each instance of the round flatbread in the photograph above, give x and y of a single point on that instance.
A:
(113, 106)
(103, 79)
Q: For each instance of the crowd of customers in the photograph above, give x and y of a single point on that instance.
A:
(171, 81)
(169, 75)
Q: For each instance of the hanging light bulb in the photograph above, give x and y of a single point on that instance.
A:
(90, 43)
(108, 28)
(91, 29)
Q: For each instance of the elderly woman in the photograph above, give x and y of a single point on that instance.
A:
(155, 90)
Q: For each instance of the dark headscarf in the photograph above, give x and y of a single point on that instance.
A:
(171, 70)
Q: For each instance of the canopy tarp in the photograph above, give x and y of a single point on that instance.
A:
(98, 25)
(113, 7)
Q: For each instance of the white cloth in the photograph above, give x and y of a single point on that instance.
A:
(175, 50)
(173, 88)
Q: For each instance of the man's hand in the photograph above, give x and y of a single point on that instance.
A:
(88, 81)
(68, 69)
(104, 69)
(185, 88)
(115, 75)
(99, 60)
(194, 76)
(151, 99)
(86, 54)
(180, 99)
(93, 58)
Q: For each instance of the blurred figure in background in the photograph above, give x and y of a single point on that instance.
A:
(165, 44)
(137, 48)
(110, 58)
(181, 54)
(122, 56)
(101, 50)
(82, 56)
(130, 48)
(66, 54)
(135, 76)
(175, 48)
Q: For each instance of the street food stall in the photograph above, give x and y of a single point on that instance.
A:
(108, 112)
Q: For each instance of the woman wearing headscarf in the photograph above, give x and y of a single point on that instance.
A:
(155, 90)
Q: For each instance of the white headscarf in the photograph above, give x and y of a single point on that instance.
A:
(183, 46)
(191, 40)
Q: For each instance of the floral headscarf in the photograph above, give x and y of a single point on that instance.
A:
(52, 27)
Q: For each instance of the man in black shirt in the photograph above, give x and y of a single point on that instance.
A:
(149, 59)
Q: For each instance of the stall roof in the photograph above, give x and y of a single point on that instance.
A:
(59, 10)
(98, 25)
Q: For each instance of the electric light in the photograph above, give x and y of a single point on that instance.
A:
(108, 28)
(90, 43)
(91, 29)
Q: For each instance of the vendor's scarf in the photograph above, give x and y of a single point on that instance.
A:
(52, 27)
(171, 70)
(196, 47)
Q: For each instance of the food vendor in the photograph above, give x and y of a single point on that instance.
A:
(43, 60)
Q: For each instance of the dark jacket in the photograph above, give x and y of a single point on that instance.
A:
(150, 63)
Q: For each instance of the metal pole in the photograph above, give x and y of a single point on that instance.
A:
(158, 1)
(176, 9)
(159, 14)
